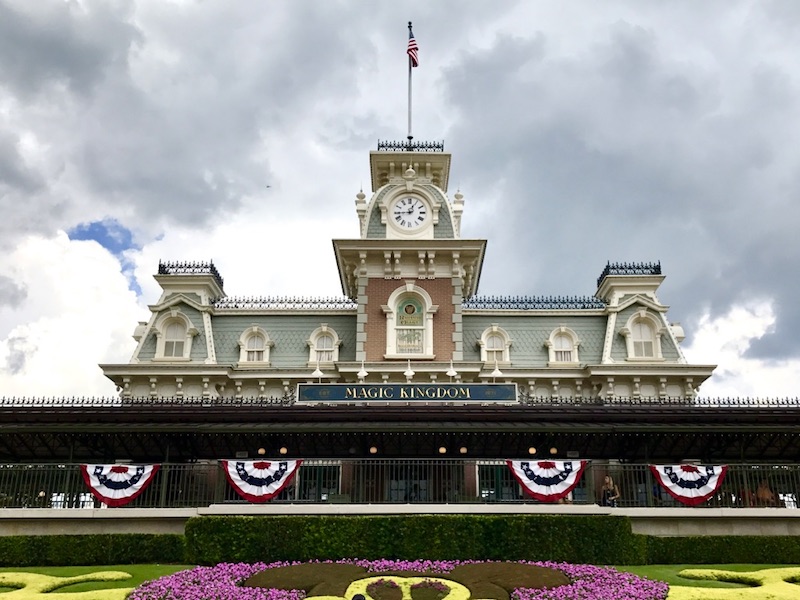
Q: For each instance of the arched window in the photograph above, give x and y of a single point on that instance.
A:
(643, 340)
(642, 334)
(410, 326)
(174, 334)
(174, 339)
(323, 345)
(495, 345)
(562, 346)
(409, 323)
(254, 346)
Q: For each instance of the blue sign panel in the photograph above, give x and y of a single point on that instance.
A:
(408, 392)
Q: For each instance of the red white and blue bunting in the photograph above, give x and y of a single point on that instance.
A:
(259, 480)
(690, 484)
(116, 485)
(547, 480)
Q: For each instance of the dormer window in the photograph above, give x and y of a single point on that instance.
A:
(323, 346)
(642, 335)
(174, 339)
(643, 340)
(495, 344)
(254, 346)
(174, 334)
(562, 346)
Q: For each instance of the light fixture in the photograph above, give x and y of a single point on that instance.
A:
(451, 372)
(261, 452)
(497, 372)
(283, 450)
(442, 450)
(362, 374)
(373, 450)
(409, 373)
(318, 374)
(463, 449)
(553, 450)
(531, 450)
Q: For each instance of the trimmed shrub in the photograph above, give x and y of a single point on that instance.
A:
(80, 550)
(594, 539)
(724, 549)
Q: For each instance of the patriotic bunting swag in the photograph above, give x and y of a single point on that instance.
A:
(689, 484)
(259, 480)
(547, 480)
(116, 485)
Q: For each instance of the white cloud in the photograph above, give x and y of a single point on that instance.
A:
(78, 312)
(724, 341)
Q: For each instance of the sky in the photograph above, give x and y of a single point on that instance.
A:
(581, 132)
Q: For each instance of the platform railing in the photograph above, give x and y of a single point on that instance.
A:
(380, 481)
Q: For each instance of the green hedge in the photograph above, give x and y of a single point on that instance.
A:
(595, 539)
(724, 549)
(79, 550)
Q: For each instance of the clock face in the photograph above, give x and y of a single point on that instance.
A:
(409, 212)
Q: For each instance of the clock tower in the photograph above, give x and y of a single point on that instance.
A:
(410, 270)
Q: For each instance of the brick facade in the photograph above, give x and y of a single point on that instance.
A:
(378, 292)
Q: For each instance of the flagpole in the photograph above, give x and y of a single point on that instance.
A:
(410, 137)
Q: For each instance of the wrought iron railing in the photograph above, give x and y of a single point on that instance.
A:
(190, 268)
(525, 399)
(393, 482)
(533, 302)
(630, 269)
(285, 303)
(409, 145)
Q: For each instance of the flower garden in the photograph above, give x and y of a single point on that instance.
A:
(405, 580)
(402, 580)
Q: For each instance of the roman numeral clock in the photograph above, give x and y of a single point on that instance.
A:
(409, 212)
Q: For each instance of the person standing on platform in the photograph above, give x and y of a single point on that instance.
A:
(609, 493)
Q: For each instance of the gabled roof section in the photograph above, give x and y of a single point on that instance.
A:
(178, 298)
(640, 299)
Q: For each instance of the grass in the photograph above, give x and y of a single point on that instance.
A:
(139, 574)
(669, 573)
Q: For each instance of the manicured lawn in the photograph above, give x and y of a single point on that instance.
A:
(669, 573)
(140, 574)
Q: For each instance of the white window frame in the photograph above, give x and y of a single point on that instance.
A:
(313, 349)
(164, 321)
(247, 334)
(494, 330)
(410, 291)
(643, 316)
(564, 333)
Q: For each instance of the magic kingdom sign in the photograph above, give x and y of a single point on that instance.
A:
(342, 393)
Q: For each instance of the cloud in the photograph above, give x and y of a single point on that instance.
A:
(725, 340)
(47, 44)
(580, 133)
(78, 312)
(11, 293)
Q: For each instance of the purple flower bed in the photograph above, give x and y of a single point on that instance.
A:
(222, 582)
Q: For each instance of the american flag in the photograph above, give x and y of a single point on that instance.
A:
(413, 51)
